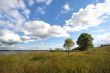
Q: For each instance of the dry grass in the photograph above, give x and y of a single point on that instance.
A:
(92, 61)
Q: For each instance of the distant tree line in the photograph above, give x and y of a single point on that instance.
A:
(103, 45)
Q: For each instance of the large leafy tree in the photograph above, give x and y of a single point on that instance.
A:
(85, 41)
(68, 43)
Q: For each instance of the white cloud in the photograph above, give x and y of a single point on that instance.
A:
(66, 6)
(8, 4)
(91, 16)
(41, 29)
(31, 2)
(102, 38)
(26, 39)
(20, 4)
(26, 12)
(16, 23)
(47, 2)
(12, 21)
(8, 37)
(41, 10)
(11, 17)
(58, 31)
(38, 29)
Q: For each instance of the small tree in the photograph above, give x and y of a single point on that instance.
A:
(85, 41)
(68, 43)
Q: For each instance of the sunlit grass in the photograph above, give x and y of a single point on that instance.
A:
(91, 61)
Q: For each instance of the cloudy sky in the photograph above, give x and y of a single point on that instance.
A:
(44, 24)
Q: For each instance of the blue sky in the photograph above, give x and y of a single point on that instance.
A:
(44, 24)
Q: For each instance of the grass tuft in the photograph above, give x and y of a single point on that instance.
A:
(91, 61)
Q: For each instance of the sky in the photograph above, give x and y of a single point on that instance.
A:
(45, 24)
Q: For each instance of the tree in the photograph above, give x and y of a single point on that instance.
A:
(85, 41)
(68, 43)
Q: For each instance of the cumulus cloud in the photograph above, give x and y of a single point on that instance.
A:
(58, 31)
(10, 15)
(41, 29)
(91, 16)
(11, 21)
(8, 37)
(8, 5)
(14, 22)
(26, 39)
(37, 29)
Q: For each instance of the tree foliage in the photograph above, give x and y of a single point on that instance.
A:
(68, 43)
(85, 41)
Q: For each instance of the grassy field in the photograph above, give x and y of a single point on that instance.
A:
(91, 61)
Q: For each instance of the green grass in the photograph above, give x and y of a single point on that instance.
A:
(91, 61)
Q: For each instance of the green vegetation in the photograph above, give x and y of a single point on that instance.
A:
(91, 61)
(68, 43)
(85, 41)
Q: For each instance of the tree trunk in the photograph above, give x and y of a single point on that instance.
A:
(68, 50)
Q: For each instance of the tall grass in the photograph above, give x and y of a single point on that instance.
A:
(92, 61)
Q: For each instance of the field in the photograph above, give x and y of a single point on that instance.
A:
(91, 61)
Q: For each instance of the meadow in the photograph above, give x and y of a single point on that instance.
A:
(95, 60)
